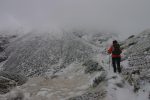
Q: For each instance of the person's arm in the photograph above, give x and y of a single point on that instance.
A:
(109, 50)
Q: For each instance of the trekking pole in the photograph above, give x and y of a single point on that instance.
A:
(109, 62)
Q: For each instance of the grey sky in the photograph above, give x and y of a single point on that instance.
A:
(120, 16)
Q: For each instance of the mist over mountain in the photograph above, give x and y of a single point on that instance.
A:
(57, 50)
(121, 17)
(73, 66)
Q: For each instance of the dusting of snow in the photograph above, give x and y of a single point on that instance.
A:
(71, 81)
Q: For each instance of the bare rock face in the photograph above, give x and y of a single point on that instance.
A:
(10, 80)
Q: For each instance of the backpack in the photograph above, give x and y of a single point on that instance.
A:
(116, 49)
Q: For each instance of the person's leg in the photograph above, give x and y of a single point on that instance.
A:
(118, 64)
(114, 64)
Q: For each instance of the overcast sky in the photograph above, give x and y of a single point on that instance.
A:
(120, 16)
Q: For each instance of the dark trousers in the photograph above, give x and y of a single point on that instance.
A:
(116, 64)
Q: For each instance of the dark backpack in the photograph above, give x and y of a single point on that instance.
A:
(116, 49)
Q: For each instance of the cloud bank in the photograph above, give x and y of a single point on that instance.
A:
(117, 16)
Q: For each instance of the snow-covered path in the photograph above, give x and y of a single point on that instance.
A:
(69, 83)
(122, 92)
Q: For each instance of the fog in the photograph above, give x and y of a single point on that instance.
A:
(115, 16)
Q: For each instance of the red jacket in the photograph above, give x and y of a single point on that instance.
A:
(110, 52)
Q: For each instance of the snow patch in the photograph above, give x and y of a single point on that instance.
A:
(42, 93)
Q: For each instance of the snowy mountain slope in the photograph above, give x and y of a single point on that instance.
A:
(137, 50)
(71, 82)
(51, 54)
(136, 63)
(36, 54)
(131, 86)
(138, 43)
(118, 87)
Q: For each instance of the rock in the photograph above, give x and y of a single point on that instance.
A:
(136, 72)
(3, 58)
(19, 79)
(99, 79)
(6, 84)
(16, 95)
(91, 66)
(120, 85)
(1, 49)
(10, 80)
(131, 36)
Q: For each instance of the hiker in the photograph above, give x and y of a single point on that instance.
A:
(116, 58)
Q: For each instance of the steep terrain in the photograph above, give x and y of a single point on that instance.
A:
(38, 54)
(75, 66)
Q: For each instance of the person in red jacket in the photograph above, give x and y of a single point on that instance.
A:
(115, 51)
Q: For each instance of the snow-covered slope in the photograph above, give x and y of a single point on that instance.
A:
(59, 63)
(62, 69)
(37, 54)
(137, 44)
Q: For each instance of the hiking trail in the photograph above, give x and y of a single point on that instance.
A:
(117, 88)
